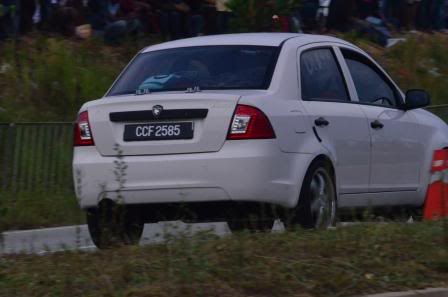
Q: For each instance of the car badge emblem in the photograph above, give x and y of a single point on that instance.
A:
(157, 110)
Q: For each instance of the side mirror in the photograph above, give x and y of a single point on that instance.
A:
(416, 99)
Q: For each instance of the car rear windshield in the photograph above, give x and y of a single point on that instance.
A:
(204, 68)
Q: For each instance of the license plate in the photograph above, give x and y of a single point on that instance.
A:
(159, 131)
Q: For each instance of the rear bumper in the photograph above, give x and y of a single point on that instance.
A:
(252, 171)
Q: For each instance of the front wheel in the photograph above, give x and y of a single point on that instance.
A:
(317, 205)
(112, 225)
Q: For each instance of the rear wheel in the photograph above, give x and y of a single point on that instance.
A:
(112, 225)
(317, 205)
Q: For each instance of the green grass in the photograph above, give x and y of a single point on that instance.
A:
(39, 208)
(48, 79)
(343, 262)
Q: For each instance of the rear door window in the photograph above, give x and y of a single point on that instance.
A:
(321, 77)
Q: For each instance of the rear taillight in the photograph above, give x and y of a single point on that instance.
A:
(82, 134)
(250, 123)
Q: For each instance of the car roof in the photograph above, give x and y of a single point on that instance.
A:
(257, 39)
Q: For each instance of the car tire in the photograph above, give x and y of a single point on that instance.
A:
(111, 225)
(317, 206)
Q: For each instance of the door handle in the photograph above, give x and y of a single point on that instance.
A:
(376, 125)
(321, 122)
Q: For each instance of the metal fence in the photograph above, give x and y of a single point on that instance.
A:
(38, 155)
(35, 156)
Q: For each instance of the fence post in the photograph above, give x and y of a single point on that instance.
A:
(8, 157)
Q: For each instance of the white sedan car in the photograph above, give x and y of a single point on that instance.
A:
(249, 128)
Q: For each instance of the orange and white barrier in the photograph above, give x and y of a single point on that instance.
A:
(436, 203)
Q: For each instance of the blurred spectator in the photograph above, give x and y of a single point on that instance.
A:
(223, 15)
(423, 15)
(27, 8)
(116, 20)
(394, 11)
(366, 8)
(121, 21)
(146, 16)
(411, 14)
(209, 13)
(195, 17)
(66, 16)
(172, 15)
(430, 15)
(45, 11)
(368, 21)
(445, 16)
(308, 14)
(9, 19)
(98, 14)
(437, 14)
(342, 15)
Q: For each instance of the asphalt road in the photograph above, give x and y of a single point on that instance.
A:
(43, 241)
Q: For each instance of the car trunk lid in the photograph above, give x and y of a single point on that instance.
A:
(208, 114)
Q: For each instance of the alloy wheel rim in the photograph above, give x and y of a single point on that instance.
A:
(322, 200)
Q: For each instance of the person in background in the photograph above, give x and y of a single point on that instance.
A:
(146, 16)
(437, 14)
(122, 21)
(375, 28)
(445, 17)
(308, 12)
(223, 15)
(172, 15)
(366, 8)
(27, 9)
(195, 17)
(209, 13)
(393, 12)
(411, 14)
(66, 16)
(9, 19)
(45, 7)
(424, 21)
(341, 15)
(97, 16)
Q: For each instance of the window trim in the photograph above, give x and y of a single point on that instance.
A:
(365, 59)
(338, 65)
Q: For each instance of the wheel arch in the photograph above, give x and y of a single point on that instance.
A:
(326, 158)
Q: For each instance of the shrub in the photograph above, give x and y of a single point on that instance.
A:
(47, 79)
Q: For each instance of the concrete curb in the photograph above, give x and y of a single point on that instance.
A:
(43, 241)
(433, 292)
